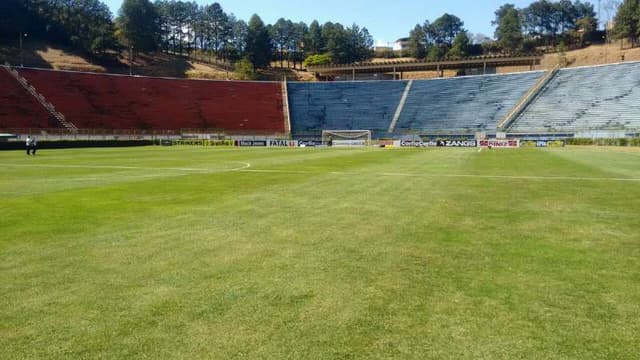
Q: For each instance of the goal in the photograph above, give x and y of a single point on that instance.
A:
(346, 138)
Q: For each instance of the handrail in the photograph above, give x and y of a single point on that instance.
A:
(525, 100)
(42, 100)
(285, 104)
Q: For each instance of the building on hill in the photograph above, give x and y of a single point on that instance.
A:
(401, 44)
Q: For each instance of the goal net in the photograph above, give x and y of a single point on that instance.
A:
(346, 138)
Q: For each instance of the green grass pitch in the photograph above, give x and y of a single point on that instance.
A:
(320, 254)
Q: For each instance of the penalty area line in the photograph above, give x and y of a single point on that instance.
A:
(118, 167)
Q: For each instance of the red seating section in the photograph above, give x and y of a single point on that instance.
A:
(20, 110)
(95, 101)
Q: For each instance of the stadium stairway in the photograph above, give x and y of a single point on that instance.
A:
(590, 98)
(21, 107)
(526, 99)
(464, 104)
(98, 101)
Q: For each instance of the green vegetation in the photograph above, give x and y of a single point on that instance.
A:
(508, 28)
(320, 254)
(244, 70)
(83, 24)
(544, 24)
(627, 21)
(258, 43)
(541, 24)
(138, 25)
(315, 60)
(182, 28)
(188, 28)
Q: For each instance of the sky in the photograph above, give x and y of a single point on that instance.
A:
(387, 20)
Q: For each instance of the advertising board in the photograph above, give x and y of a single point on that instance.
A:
(504, 144)
(243, 143)
(542, 143)
(349, 143)
(457, 143)
(283, 143)
(417, 143)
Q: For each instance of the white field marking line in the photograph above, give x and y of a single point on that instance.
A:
(505, 177)
(115, 167)
(514, 177)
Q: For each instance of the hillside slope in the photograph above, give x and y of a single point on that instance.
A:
(47, 56)
(43, 55)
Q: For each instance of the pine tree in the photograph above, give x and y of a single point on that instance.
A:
(417, 46)
(138, 25)
(627, 21)
(509, 30)
(258, 43)
(460, 47)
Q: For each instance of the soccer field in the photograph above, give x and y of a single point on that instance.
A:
(320, 253)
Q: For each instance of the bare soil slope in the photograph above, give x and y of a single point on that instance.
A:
(43, 55)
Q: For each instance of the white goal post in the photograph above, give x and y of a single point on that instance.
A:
(346, 138)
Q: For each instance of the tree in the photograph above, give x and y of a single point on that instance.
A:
(549, 20)
(509, 30)
(437, 52)
(296, 43)
(258, 46)
(360, 44)
(84, 24)
(15, 17)
(314, 43)
(460, 47)
(235, 48)
(417, 46)
(138, 24)
(336, 42)
(585, 28)
(446, 28)
(347, 45)
(627, 21)
(537, 18)
(217, 29)
(281, 33)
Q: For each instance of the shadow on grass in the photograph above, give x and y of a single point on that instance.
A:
(10, 53)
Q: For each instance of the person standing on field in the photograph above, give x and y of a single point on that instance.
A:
(34, 145)
(28, 145)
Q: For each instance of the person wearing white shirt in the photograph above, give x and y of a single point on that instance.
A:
(28, 145)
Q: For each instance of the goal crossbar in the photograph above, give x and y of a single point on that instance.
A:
(330, 135)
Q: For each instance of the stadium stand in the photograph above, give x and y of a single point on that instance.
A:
(20, 110)
(573, 100)
(95, 101)
(589, 98)
(361, 105)
(464, 104)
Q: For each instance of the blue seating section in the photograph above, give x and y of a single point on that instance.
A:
(361, 105)
(464, 104)
(590, 98)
